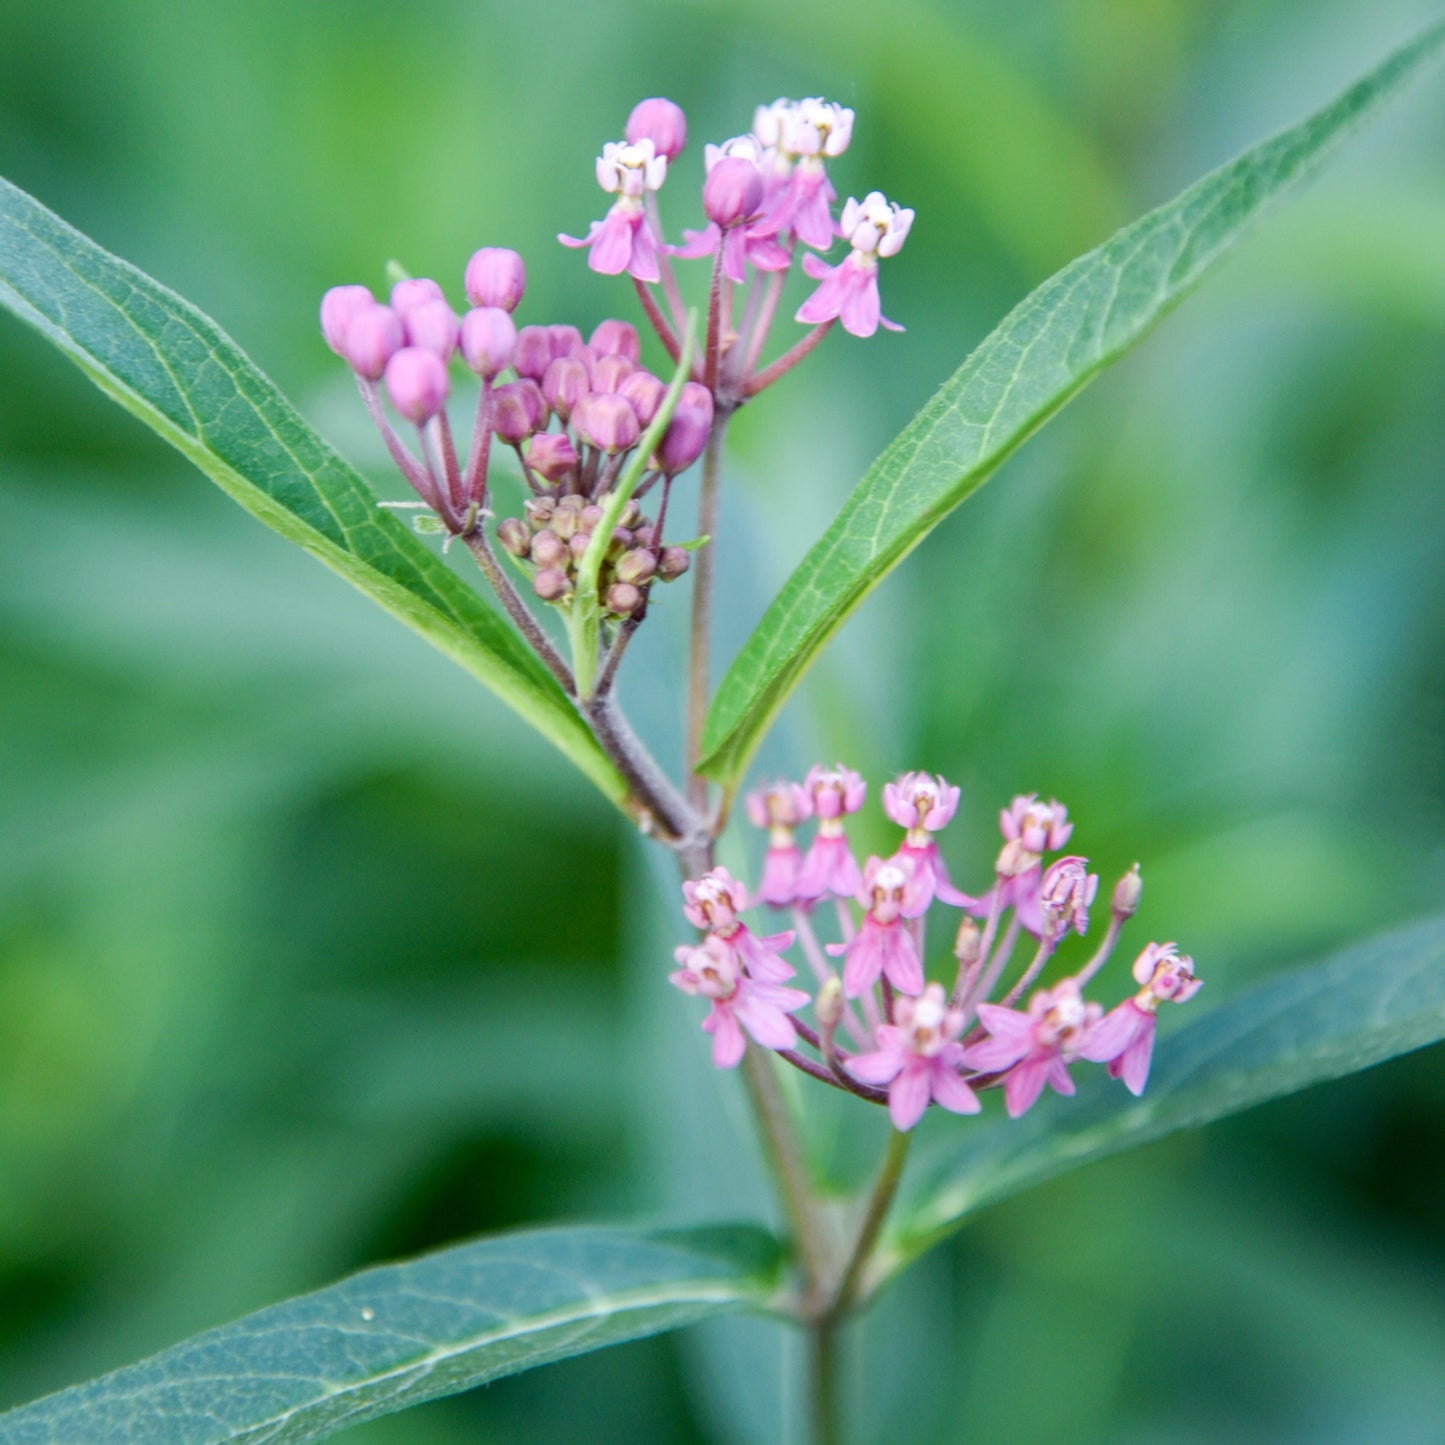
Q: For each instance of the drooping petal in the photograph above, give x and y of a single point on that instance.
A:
(880, 1067)
(952, 1092)
(900, 960)
(826, 302)
(909, 1093)
(863, 961)
(728, 1042)
(696, 244)
(1026, 1082)
(1133, 1064)
(767, 1023)
(1010, 1025)
(1113, 1033)
(643, 264)
(1059, 1079)
(860, 309)
(612, 243)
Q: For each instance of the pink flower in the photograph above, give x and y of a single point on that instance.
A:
(1040, 827)
(891, 894)
(919, 1059)
(738, 1002)
(923, 804)
(623, 239)
(779, 808)
(1034, 1047)
(662, 122)
(801, 135)
(1124, 1038)
(873, 227)
(830, 866)
(1065, 893)
(713, 903)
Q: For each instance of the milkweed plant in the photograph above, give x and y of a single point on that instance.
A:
(564, 463)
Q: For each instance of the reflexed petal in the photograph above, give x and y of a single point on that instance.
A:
(1113, 1033)
(1059, 1079)
(612, 244)
(1007, 1023)
(909, 1093)
(769, 1025)
(643, 265)
(1026, 1082)
(1133, 1064)
(728, 1042)
(900, 960)
(881, 1067)
(860, 309)
(951, 1091)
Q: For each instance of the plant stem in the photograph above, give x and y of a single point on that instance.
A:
(787, 361)
(517, 610)
(785, 1157)
(650, 785)
(879, 1203)
(700, 636)
(822, 1378)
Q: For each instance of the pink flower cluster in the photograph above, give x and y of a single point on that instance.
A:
(764, 194)
(912, 1043)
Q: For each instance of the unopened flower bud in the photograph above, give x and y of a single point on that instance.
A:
(828, 1007)
(518, 409)
(968, 946)
(538, 511)
(579, 543)
(433, 325)
(495, 277)
(533, 354)
(564, 521)
(512, 533)
(489, 337)
(566, 341)
(416, 382)
(564, 384)
(414, 291)
(610, 372)
(373, 337)
(644, 392)
(551, 584)
(549, 550)
(338, 306)
(620, 543)
(638, 565)
(591, 516)
(686, 435)
(610, 424)
(660, 121)
(623, 599)
(732, 192)
(551, 455)
(1127, 892)
(672, 562)
(617, 338)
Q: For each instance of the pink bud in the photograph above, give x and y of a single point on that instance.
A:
(416, 382)
(517, 411)
(617, 338)
(489, 337)
(551, 584)
(551, 454)
(496, 277)
(660, 121)
(687, 432)
(645, 392)
(413, 292)
(636, 566)
(512, 533)
(610, 423)
(549, 550)
(338, 306)
(732, 192)
(433, 325)
(372, 336)
(566, 341)
(623, 598)
(533, 354)
(610, 372)
(564, 384)
(672, 562)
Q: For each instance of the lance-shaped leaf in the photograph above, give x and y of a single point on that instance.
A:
(1370, 1002)
(406, 1333)
(175, 369)
(1045, 351)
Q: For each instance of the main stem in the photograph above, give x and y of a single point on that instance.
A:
(700, 635)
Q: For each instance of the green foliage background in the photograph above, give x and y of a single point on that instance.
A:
(310, 957)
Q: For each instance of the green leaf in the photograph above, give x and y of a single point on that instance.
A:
(405, 1333)
(1371, 1002)
(1045, 351)
(175, 369)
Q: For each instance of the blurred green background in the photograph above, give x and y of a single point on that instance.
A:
(309, 957)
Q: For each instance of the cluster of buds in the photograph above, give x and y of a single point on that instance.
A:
(911, 1042)
(554, 533)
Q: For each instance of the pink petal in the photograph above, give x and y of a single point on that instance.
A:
(643, 265)
(908, 1094)
(1026, 1082)
(863, 962)
(1113, 1033)
(1133, 1064)
(577, 242)
(951, 1091)
(900, 961)
(612, 244)
(816, 266)
(769, 1025)
(728, 1042)
(1059, 1079)
(881, 1067)
(697, 244)
(735, 255)
(860, 308)
(826, 302)
(1007, 1023)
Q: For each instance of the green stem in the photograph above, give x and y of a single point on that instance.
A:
(700, 637)
(822, 1380)
(879, 1203)
(784, 1154)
